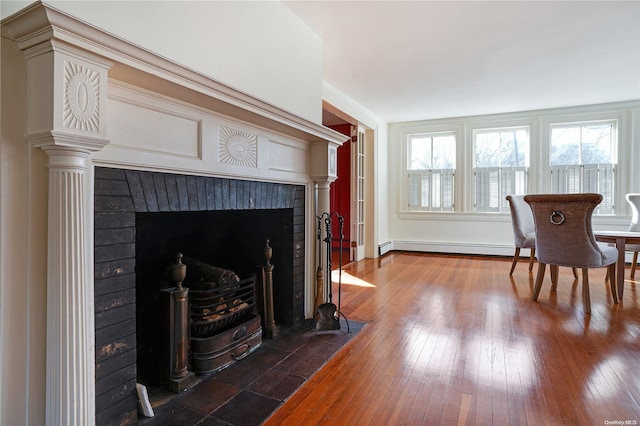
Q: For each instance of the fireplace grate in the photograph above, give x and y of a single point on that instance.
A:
(215, 310)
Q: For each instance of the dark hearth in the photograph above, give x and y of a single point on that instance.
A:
(221, 221)
(263, 381)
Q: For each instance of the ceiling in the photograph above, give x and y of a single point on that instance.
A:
(416, 60)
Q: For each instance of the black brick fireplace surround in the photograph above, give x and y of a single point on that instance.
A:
(232, 217)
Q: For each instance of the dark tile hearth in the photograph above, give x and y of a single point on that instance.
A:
(248, 391)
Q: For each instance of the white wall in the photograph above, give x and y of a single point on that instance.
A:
(258, 47)
(464, 231)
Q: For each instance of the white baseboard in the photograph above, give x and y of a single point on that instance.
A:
(458, 248)
(466, 248)
(385, 248)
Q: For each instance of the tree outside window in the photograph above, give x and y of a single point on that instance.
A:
(501, 161)
(582, 144)
(431, 166)
(583, 159)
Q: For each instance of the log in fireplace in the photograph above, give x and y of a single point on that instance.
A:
(141, 220)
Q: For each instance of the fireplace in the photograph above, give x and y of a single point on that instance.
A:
(88, 107)
(141, 220)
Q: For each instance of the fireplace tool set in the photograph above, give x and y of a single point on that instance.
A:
(329, 313)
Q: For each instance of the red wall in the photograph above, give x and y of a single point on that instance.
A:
(340, 191)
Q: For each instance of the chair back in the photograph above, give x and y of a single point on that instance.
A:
(634, 202)
(524, 229)
(564, 235)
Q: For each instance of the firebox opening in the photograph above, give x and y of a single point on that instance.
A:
(232, 240)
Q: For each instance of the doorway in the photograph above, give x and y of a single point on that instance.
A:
(347, 192)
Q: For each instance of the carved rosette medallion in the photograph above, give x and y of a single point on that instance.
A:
(81, 98)
(237, 147)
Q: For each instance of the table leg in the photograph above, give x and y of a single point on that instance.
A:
(620, 243)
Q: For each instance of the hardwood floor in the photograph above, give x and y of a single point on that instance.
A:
(456, 340)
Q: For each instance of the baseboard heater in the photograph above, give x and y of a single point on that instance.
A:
(384, 248)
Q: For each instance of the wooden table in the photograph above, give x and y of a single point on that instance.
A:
(620, 239)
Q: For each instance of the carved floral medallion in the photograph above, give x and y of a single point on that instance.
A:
(238, 147)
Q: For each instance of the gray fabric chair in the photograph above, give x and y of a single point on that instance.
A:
(564, 237)
(634, 226)
(524, 230)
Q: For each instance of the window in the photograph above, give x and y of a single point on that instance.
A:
(467, 165)
(583, 159)
(431, 166)
(501, 163)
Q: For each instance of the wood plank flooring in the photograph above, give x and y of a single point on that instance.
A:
(454, 340)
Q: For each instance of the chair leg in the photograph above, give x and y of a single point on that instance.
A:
(611, 271)
(555, 269)
(516, 256)
(586, 298)
(575, 273)
(634, 263)
(532, 258)
(539, 278)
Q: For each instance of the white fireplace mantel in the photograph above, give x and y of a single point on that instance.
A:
(95, 99)
(132, 64)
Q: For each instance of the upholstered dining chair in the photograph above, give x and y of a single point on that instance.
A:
(524, 230)
(634, 226)
(564, 237)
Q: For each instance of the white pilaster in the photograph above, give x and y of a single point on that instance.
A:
(70, 319)
(324, 199)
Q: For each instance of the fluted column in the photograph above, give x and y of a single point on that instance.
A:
(70, 373)
(324, 205)
(324, 199)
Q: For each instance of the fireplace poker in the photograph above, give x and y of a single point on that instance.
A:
(339, 312)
